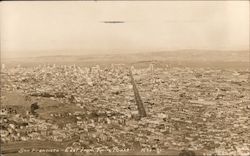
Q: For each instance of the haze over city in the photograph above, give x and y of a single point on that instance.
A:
(76, 28)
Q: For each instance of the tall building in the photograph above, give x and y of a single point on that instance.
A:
(3, 66)
(151, 68)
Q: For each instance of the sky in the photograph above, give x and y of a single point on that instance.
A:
(77, 27)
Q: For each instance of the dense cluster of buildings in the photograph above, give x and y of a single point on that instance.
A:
(198, 108)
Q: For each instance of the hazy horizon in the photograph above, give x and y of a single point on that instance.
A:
(80, 53)
(43, 28)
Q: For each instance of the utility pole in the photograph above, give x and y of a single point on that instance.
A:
(140, 107)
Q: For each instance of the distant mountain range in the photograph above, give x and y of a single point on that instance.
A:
(181, 57)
